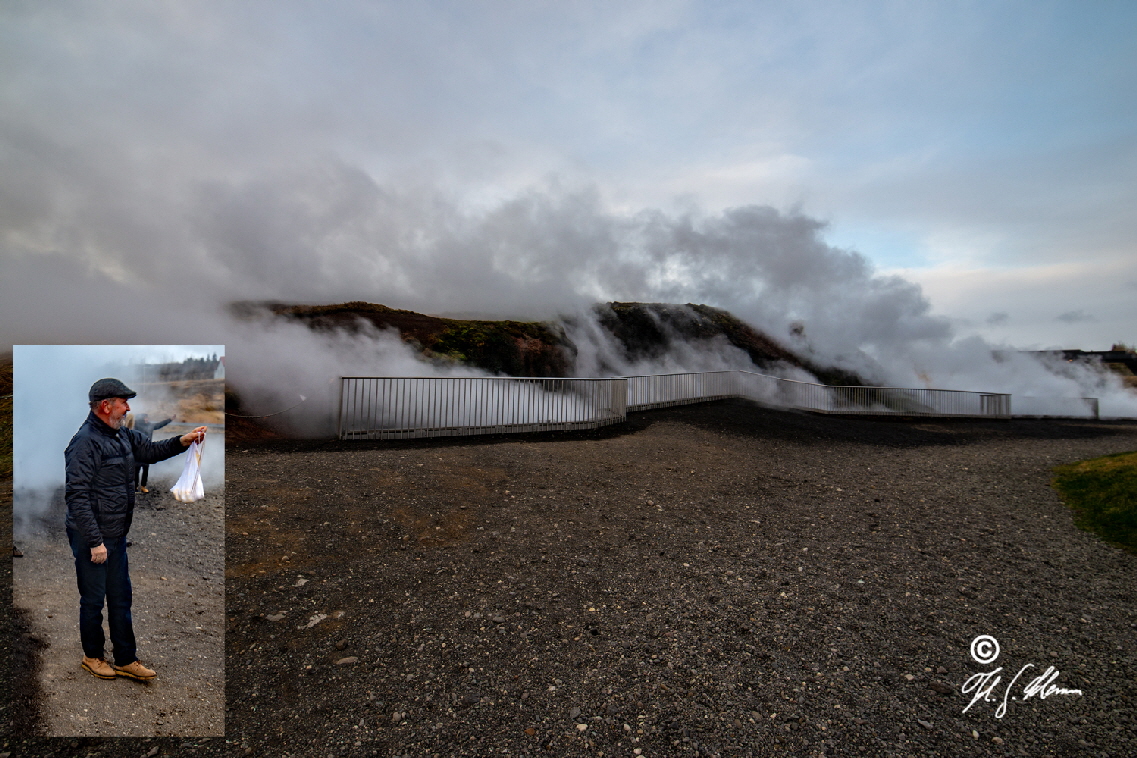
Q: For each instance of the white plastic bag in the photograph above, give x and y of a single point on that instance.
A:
(188, 488)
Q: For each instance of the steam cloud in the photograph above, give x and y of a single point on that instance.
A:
(328, 232)
(157, 164)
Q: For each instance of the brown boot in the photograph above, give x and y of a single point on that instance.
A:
(98, 667)
(135, 671)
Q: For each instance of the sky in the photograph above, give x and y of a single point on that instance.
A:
(890, 174)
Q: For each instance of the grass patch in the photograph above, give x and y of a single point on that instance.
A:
(1103, 495)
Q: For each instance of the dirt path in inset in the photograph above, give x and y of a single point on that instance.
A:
(177, 572)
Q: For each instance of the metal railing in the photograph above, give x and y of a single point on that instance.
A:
(663, 390)
(876, 401)
(410, 407)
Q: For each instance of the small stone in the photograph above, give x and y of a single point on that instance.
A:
(396, 717)
(316, 618)
(909, 677)
(275, 617)
(337, 614)
(153, 752)
(347, 660)
(941, 670)
(997, 740)
(340, 645)
(530, 731)
(974, 734)
(574, 712)
(300, 582)
(925, 724)
(581, 727)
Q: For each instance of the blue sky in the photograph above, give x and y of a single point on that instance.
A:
(984, 151)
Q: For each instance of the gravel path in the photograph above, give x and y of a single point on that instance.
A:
(713, 580)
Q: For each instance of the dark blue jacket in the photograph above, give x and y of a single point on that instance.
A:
(100, 477)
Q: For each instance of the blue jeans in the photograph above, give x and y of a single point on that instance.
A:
(109, 581)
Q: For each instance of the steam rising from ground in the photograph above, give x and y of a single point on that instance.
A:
(329, 232)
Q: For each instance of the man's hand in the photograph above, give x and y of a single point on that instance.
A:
(99, 554)
(197, 435)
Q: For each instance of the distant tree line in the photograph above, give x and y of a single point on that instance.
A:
(190, 368)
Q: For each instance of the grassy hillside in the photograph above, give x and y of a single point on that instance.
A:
(530, 348)
(515, 348)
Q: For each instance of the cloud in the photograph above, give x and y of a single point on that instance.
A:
(998, 319)
(525, 160)
(1076, 317)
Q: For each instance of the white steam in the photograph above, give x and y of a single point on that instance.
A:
(328, 232)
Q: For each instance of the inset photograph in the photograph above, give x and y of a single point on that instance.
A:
(118, 581)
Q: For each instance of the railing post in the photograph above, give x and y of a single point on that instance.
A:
(339, 413)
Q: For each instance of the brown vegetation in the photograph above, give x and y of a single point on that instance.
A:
(521, 348)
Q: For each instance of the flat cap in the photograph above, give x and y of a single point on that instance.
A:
(105, 388)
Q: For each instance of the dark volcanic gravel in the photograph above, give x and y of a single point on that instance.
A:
(714, 580)
(720, 579)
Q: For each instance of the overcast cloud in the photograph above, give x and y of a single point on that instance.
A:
(890, 174)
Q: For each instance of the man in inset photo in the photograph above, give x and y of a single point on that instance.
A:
(143, 572)
(101, 460)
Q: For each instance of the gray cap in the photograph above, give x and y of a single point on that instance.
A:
(105, 388)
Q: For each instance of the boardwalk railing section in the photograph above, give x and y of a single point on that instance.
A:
(663, 390)
(876, 401)
(407, 407)
(410, 407)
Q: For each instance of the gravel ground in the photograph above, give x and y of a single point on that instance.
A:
(713, 580)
